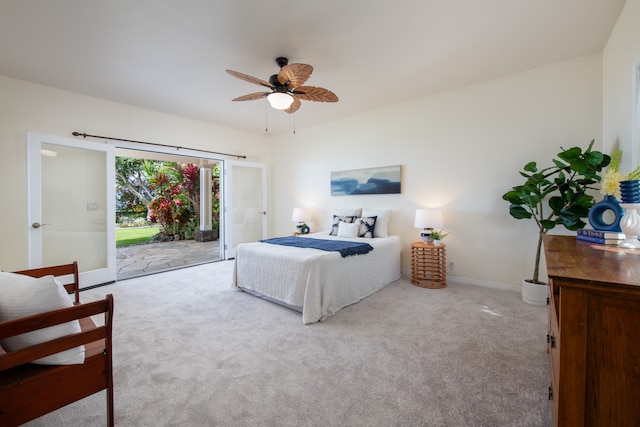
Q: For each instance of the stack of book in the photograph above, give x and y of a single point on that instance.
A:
(601, 237)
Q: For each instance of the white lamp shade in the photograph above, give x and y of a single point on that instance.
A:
(280, 101)
(428, 218)
(299, 215)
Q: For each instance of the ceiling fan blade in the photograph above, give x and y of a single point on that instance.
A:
(294, 75)
(294, 106)
(250, 79)
(252, 96)
(313, 93)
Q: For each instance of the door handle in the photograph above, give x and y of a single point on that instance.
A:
(38, 225)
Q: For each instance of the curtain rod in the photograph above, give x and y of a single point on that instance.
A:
(85, 135)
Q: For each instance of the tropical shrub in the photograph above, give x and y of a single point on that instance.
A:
(165, 193)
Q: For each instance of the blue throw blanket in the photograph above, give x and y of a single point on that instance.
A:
(345, 248)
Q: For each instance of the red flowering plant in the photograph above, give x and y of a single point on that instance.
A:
(176, 205)
(190, 178)
(170, 208)
(215, 200)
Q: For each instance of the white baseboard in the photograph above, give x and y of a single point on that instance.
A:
(406, 273)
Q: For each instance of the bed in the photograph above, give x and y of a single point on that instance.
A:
(315, 282)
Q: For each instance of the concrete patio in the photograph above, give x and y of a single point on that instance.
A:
(140, 260)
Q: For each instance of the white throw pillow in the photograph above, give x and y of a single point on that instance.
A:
(346, 229)
(382, 222)
(337, 220)
(22, 296)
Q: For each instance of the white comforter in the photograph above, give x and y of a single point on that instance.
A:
(316, 282)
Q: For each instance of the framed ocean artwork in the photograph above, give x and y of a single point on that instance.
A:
(380, 180)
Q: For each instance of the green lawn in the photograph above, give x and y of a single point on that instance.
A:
(134, 235)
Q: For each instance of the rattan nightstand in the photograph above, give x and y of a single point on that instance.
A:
(428, 265)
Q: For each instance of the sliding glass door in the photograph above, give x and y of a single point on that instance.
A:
(71, 206)
(245, 202)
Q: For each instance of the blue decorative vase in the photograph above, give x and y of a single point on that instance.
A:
(303, 228)
(597, 211)
(630, 191)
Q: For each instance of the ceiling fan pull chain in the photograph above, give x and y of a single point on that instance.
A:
(294, 124)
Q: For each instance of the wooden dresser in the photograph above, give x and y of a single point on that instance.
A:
(594, 333)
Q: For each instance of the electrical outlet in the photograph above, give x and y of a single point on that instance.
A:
(450, 268)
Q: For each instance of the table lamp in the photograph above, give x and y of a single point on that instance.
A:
(299, 215)
(428, 219)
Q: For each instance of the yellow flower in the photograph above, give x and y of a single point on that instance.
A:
(611, 183)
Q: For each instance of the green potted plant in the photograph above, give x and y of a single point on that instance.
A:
(555, 195)
(437, 236)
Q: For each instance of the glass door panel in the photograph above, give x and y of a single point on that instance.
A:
(246, 215)
(72, 213)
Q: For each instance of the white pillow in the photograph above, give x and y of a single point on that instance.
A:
(382, 222)
(347, 212)
(22, 296)
(346, 229)
(337, 220)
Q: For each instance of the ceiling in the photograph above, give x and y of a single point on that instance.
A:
(171, 56)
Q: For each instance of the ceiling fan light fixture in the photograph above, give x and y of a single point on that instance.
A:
(287, 87)
(280, 100)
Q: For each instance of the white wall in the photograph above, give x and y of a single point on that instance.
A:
(621, 57)
(29, 107)
(460, 151)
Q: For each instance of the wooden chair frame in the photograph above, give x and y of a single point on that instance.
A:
(28, 391)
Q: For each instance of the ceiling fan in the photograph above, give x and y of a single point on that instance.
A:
(286, 87)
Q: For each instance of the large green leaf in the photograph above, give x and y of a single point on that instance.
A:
(559, 164)
(547, 224)
(550, 189)
(556, 204)
(518, 212)
(580, 165)
(531, 189)
(577, 211)
(572, 223)
(530, 200)
(571, 154)
(513, 197)
(594, 158)
(585, 201)
(560, 179)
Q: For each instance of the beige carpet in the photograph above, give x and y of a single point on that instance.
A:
(191, 351)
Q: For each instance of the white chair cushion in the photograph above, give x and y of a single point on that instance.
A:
(22, 296)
